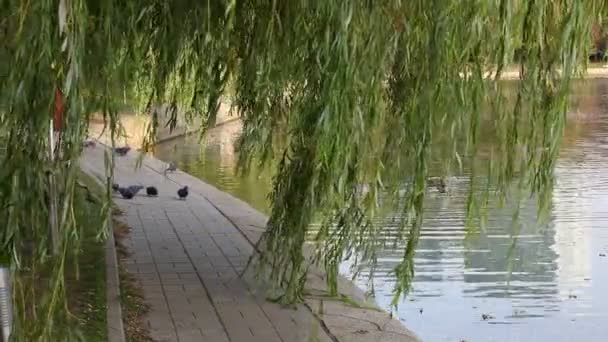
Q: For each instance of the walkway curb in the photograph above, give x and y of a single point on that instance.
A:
(116, 331)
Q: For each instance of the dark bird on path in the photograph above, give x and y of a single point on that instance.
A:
(597, 56)
(171, 167)
(183, 192)
(115, 187)
(89, 143)
(122, 151)
(126, 193)
(135, 189)
(151, 191)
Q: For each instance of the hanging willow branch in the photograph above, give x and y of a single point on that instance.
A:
(362, 92)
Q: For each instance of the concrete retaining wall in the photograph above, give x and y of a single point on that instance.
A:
(135, 126)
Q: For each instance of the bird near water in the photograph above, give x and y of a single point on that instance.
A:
(152, 191)
(182, 193)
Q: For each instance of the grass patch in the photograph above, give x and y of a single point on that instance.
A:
(131, 293)
(85, 274)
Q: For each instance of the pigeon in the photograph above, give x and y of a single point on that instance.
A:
(115, 187)
(126, 193)
(122, 151)
(89, 143)
(135, 189)
(171, 167)
(183, 192)
(151, 191)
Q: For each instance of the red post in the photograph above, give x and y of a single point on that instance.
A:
(59, 109)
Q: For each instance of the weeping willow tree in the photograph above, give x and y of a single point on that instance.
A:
(360, 93)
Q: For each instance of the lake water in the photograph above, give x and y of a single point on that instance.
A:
(530, 283)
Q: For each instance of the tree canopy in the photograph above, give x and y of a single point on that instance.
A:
(360, 93)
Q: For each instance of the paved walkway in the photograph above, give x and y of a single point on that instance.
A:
(188, 256)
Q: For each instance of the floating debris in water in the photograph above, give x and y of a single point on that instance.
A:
(486, 317)
(518, 312)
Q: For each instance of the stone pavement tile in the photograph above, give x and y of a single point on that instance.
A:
(173, 281)
(153, 290)
(215, 337)
(161, 329)
(158, 305)
(165, 275)
(146, 268)
(264, 337)
(190, 276)
(224, 274)
(207, 320)
(168, 335)
(184, 322)
(165, 267)
(283, 323)
(190, 335)
(257, 320)
(149, 280)
(173, 289)
(234, 322)
(295, 324)
(193, 287)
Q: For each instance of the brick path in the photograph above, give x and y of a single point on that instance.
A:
(188, 255)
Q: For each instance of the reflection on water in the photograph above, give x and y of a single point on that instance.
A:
(548, 283)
